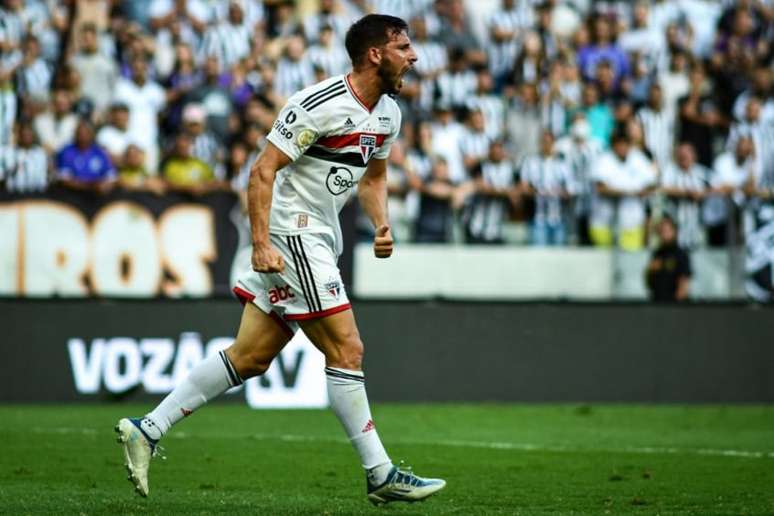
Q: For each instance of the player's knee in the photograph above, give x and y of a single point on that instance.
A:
(248, 364)
(351, 352)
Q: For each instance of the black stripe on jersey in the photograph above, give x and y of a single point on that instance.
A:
(343, 158)
(311, 98)
(311, 276)
(301, 277)
(341, 374)
(330, 96)
(232, 374)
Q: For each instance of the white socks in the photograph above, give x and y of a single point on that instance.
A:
(212, 377)
(346, 390)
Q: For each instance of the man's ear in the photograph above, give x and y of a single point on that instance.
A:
(374, 56)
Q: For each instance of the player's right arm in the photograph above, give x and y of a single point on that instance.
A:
(292, 133)
(265, 257)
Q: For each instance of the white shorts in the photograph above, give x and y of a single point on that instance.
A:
(309, 288)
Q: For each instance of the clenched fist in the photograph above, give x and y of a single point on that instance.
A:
(267, 259)
(383, 242)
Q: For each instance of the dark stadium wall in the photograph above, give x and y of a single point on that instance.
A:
(415, 351)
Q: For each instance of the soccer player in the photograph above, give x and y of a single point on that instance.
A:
(327, 140)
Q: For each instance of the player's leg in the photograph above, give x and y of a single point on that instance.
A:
(259, 340)
(338, 338)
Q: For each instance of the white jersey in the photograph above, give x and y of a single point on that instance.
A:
(329, 135)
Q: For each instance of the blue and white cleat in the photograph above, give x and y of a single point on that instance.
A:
(402, 485)
(139, 448)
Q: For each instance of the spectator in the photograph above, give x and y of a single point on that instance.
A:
(24, 167)
(669, 273)
(183, 171)
(644, 39)
(598, 114)
(132, 172)
(623, 177)
(114, 137)
(524, 122)
(294, 69)
(494, 192)
(98, 72)
(83, 162)
(456, 33)
(326, 16)
(475, 141)
(434, 224)
(447, 142)
(204, 145)
(491, 105)
(328, 53)
(658, 127)
(505, 29)
(760, 87)
(33, 76)
(604, 48)
(548, 178)
(731, 172)
(229, 40)
(458, 83)
(56, 126)
(145, 99)
(684, 183)
(580, 151)
(700, 120)
(675, 82)
(761, 133)
(432, 60)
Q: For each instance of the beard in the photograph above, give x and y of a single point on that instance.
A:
(391, 82)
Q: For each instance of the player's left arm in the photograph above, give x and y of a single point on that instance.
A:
(372, 194)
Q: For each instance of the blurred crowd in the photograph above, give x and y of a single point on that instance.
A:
(583, 121)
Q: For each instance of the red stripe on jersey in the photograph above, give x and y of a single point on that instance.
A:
(345, 140)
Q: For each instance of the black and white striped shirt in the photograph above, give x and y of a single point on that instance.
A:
(455, 88)
(24, 169)
(494, 109)
(475, 144)
(580, 156)
(11, 27)
(685, 211)
(333, 60)
(405, 9)
(34, 80)
(550, 177)
(658, 128)
(486, 214)
(206, 148)
(293, 76)
(762, 136)
(229, 43)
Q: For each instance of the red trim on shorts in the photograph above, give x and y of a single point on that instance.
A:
(317, 315)
(248, 297)
(346, 140)
(282, 324)
(243, 295)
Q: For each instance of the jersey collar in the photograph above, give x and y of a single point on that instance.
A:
(357, 97)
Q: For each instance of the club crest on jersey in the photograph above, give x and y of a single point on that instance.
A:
(367, 146)
(333, 287)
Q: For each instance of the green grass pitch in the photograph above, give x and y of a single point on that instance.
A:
(497, 459)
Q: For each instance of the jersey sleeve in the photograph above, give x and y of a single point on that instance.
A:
(384, 150)
(293, 131)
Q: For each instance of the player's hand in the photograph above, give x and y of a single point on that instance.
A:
(267, 259)
(383, 242)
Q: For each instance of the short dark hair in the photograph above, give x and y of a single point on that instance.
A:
(372, 30)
